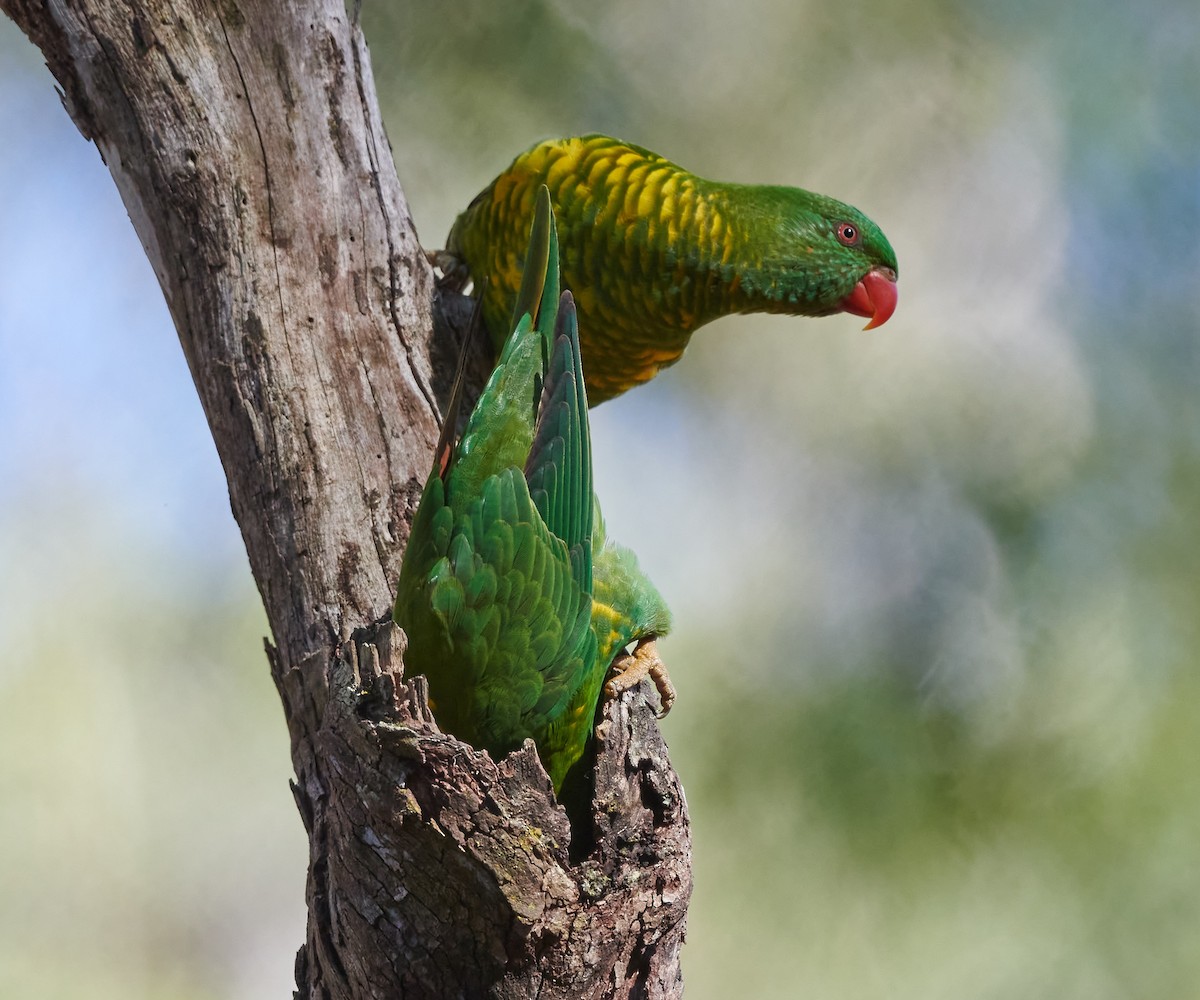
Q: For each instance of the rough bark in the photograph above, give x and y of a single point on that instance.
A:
(246, 141)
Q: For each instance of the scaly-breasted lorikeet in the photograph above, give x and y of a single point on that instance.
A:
(514, 602)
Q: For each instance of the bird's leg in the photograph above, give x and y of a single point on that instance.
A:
(629, 669)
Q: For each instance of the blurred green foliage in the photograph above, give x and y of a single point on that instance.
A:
(938, 611)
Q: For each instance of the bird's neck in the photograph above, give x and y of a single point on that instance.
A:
(740, 273)
(704, 260)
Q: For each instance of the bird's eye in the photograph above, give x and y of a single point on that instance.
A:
(848, 233)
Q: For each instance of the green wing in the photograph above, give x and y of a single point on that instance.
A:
(559, 473)
(495, 588)
(559, 468)
(499, 626)
(499, 432)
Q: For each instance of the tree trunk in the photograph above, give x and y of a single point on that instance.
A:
(246, 141)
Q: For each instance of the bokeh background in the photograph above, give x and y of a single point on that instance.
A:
(936, 586)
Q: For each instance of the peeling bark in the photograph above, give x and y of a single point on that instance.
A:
(246, 141)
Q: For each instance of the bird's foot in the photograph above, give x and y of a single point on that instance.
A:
(630, 669)
(455, 274)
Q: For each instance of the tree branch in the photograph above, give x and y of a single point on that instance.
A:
(247, 144)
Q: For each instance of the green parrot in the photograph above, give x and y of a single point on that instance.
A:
(652, 252)
(514, 602)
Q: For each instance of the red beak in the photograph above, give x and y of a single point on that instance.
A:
(874, 297)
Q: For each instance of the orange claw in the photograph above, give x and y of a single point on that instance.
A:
(630, 670)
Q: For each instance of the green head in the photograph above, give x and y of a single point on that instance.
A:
(812, 255)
